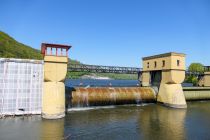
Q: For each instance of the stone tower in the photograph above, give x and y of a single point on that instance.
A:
(169, 68)
(55, 69)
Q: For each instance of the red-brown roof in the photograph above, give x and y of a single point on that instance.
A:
(45, 45)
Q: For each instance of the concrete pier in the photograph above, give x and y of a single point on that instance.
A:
(55, 69)
(167, 72)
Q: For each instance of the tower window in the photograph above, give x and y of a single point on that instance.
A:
(147, 64)
(178, 62)
(155, 64)
(164, 63)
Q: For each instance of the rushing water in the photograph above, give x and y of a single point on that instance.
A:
(146, 121)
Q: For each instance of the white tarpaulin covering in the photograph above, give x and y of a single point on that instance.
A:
(21, 86)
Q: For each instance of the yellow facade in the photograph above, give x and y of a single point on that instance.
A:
(173, 77)
(145, 79)
(168, 61)
(52, 130)
(53, 100)
(55, 68)
(172, 67)
(204, 81)
(207, 79)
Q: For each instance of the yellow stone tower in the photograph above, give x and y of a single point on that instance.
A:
(55, 69)
(169, 68)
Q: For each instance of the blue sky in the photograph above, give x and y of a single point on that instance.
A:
(112, 32)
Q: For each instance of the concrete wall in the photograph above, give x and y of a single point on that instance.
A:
(55, 69)
(197, 93)
(207, 79)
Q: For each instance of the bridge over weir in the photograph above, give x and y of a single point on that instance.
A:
(103, 69)
(116, 69)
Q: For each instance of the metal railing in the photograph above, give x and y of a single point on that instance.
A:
(116, 69)
(103, 69)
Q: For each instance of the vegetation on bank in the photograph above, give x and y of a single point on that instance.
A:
(194, 67)
(77, 75)
(118, 76)
(10, 48)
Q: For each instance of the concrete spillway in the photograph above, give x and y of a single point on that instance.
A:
(197, 93)
(81, 97)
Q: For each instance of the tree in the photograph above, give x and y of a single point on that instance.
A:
(192, 79)
(196, 67)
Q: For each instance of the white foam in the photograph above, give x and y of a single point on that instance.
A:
(88, 108)
(144, 104)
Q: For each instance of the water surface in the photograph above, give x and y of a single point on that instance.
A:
(144, 121)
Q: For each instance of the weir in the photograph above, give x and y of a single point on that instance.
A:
(84, 97)
(161, 80)
(103, 96)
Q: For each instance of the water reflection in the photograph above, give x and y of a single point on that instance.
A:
(52, 129)
(128, 122)
(162, 123)
(123, 122)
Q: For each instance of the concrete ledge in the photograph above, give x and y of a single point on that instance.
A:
(195, 88)
(196, 93)
(173, 105)
(54, 116)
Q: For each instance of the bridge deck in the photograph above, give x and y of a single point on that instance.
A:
(103, 69)
(115, 69)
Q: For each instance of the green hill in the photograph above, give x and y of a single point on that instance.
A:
(10, 48)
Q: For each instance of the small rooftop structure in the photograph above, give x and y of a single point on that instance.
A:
(166, 61)
(54, 49)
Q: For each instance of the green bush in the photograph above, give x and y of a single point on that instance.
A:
(192, 79)
(196, 67)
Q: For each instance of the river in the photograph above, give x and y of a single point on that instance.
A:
(106, 83)
(142, 121)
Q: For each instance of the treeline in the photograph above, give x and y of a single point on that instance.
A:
(10, 48)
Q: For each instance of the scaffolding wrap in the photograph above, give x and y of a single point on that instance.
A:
(21, 86)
